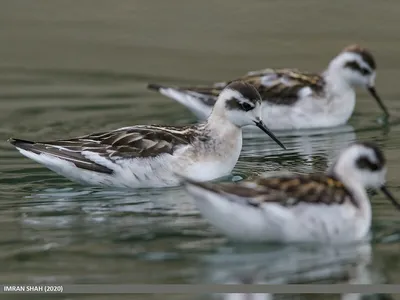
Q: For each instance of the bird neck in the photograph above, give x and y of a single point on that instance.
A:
(221, 126)
(336, 81)
(339, 92)
(342, 172)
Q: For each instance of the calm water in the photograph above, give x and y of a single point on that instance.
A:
(70, 68)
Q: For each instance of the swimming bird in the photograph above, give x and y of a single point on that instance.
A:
(150, 155)
(332, 207)
(294, 99)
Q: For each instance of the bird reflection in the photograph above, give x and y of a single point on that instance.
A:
(308, 150)
(296, 265)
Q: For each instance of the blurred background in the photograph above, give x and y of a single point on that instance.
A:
(69, 68)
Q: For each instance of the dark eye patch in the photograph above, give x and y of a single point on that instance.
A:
(355, 66)
(246, 106)
(237, 104)
(365, 71)
(364, 163)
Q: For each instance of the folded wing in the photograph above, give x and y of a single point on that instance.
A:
(287, 191)
(129, 142)
(280, 87)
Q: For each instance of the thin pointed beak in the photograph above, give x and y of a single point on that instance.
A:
(389, 195)
(260, 124)
(374, 94)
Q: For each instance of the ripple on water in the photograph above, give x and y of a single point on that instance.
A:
(58, 231)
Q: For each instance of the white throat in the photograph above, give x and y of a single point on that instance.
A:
(344, 171)
(333, 76)
(340, 94)
(220, 125)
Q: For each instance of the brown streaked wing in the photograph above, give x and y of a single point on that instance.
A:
(282, 86)
(211, 91)
(132, 142)
(288, 191)
(279, 86)
(316, 188)
(208, 95)
(72, 155)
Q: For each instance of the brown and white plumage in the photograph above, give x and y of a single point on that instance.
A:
(277, 87)
(295, 99)
(150, 156)
(139, 141)
(331, 207)
(281, 86)
(287, 191)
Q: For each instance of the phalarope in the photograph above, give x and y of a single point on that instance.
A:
(294, 99)
(332, 207)
(149, 156)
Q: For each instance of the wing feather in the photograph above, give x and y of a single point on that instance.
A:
(128, 142)
(287, 191)
(281, 86)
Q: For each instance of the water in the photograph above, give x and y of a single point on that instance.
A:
(70, 68)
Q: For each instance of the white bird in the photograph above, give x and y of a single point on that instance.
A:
(332, 207)
(294, 99)
(150, 156)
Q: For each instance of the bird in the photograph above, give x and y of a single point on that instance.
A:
(331, 207)
(294, 99)
(150, 155)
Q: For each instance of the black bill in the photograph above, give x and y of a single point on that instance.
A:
(260, 124)
(374, 94)
(390, 196)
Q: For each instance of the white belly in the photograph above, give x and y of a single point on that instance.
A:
(310, 113)
(160, 171)
(276, 223)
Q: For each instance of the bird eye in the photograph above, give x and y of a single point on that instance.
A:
(365, 71)
(356, 67)
(246, 106)
(364, 163)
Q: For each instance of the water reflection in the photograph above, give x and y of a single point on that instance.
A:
(354, 296)
(308, 150)
(295, 265)
(139, 214)
(71, 70)
(289, 264)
